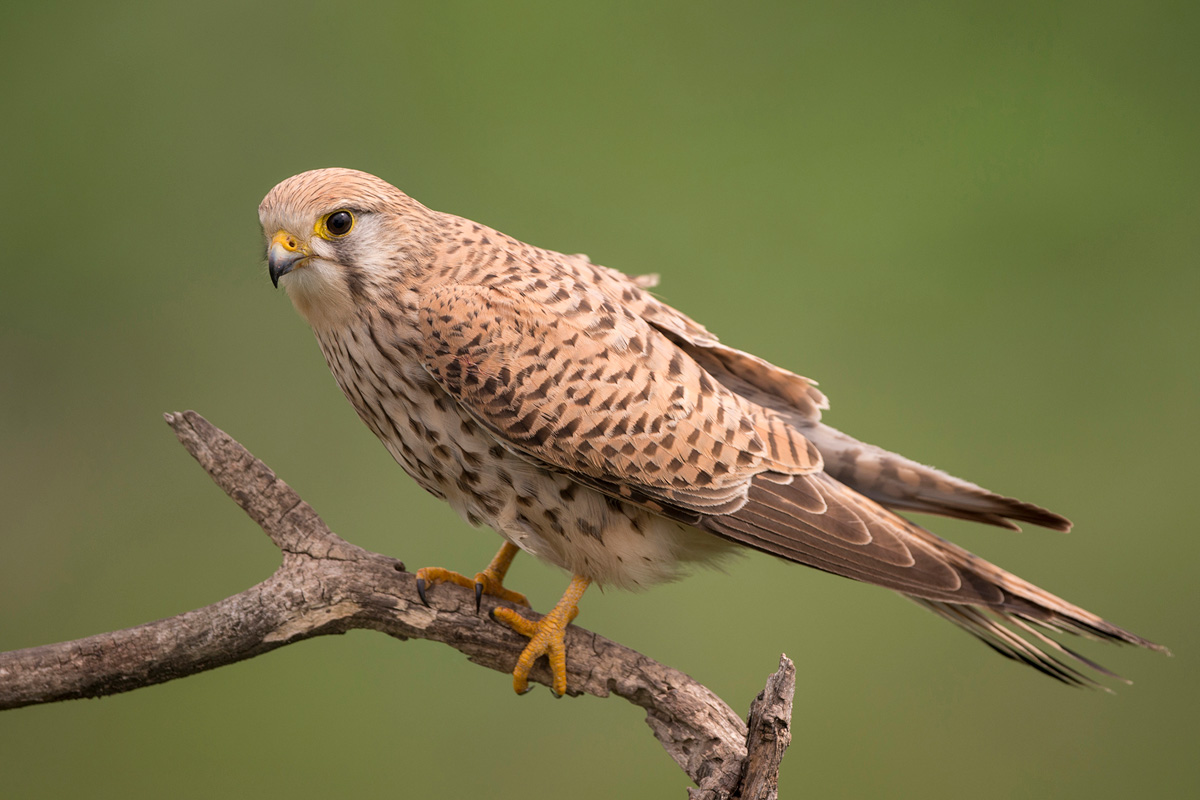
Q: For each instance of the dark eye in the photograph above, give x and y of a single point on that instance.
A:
(339, 223)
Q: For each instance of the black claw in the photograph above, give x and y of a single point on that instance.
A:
(528, 689)
(478, 595)
(421, 592)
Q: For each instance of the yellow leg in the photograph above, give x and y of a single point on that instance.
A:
(490, 581)
(546, 637)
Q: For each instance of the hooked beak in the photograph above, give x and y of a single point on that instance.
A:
(284, 254)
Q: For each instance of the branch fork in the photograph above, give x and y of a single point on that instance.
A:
(327, 585)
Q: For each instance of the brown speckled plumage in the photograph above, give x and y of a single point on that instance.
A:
(590, 424)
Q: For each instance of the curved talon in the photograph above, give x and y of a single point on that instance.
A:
(487, 582)
(490, 581)
(430, 576)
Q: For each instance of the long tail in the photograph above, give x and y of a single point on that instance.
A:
(817, 521)
(902, 484)
(1017, 627)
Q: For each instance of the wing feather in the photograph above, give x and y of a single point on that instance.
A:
(598, 393)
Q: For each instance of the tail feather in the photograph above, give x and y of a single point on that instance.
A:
(990, 630)
(848, 534)
(902, 484)
(1024, 600)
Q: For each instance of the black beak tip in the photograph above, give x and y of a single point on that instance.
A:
(279, 268)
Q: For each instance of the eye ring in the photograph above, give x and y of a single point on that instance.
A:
(339, 223)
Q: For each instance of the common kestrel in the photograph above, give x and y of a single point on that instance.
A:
(597, 428)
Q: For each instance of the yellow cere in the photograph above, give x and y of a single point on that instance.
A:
(285, 240)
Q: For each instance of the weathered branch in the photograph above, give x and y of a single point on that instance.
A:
(327, 585)
(770, 733)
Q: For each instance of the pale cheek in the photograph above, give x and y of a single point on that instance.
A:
(319, 294)
(373, 262)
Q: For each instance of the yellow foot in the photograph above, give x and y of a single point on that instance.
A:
(546, 637)
(490, 581)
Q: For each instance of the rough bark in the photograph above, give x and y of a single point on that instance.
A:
(326, 585)
(770, 734)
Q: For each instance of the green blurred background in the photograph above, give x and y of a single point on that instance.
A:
(976, 224)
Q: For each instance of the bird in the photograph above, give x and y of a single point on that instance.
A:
(565, 406)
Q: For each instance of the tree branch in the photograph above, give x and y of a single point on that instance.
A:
(326, 585)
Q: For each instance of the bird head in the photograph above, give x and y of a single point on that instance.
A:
(336, 236)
